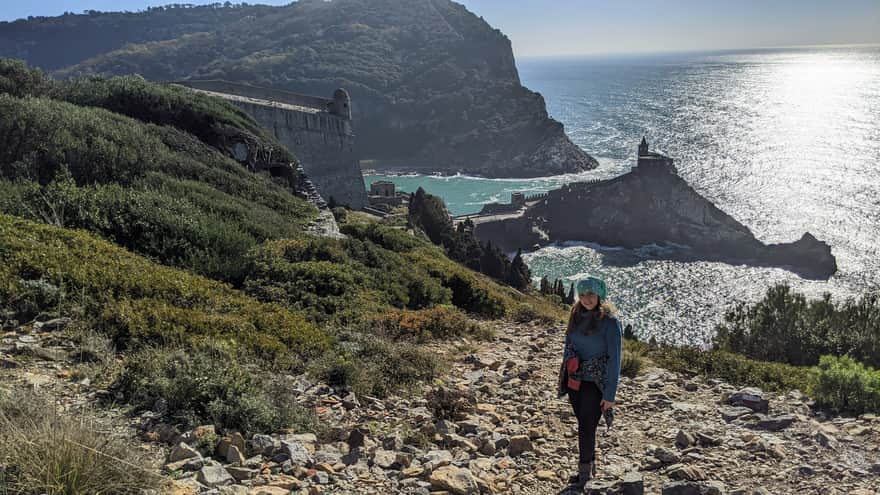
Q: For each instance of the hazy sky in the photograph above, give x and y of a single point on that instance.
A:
(563, 27)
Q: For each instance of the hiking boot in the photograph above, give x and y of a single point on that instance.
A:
(586, 471)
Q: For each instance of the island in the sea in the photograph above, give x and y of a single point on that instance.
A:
(651, 205)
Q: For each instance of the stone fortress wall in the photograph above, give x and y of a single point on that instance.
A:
(317, 130)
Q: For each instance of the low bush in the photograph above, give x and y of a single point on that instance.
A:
(211, 384)
(733, 368)
(371, 365)
(439, 322)
(46, 452)
(631, 363)
(529, 311)
(845, 385)
(339, 281)
(135, 302)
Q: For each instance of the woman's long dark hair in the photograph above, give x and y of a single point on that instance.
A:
(579, 313)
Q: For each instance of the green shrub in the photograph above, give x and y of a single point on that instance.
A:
(367, 364)
(47, 452)
(135, 302)
(786, 327)
(343, 281)
(730, 367)
(161, 183)
(211, 384)
(213, 120)
(845, 385)
(528, 311)
(393, 239)
(18, 80)
(631, 364)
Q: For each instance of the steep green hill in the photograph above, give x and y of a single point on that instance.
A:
(433, 85)
(145, 182)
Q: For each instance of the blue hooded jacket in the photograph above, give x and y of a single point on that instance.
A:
(607, 340)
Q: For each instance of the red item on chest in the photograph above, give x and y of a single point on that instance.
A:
(571, 365)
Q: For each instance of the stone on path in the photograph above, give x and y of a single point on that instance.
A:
(183, 451)
(518, 445)
(729, 413)
(457, 481)
(691, 488)
(296, 452)
(751, 397)
(214, 476)
(633, 484)
(775, 423)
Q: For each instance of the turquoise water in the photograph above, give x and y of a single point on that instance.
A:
(785, 141)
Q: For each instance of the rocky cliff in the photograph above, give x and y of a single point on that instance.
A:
(435, 87)
(652, 206)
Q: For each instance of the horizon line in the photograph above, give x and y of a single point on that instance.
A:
(698, 50)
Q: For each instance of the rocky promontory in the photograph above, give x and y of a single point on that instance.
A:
(651, 205)
(434, 87)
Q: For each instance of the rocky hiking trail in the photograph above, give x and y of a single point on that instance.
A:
(492, 424)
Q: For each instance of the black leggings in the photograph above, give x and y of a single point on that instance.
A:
(585, 403)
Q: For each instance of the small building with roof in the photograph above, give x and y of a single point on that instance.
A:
(653, 162)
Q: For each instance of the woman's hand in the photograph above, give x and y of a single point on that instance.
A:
(605, 405)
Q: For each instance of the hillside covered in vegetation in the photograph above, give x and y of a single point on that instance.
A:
(434, 87)
(122, 210)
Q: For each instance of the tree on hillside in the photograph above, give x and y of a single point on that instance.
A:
(519, 274)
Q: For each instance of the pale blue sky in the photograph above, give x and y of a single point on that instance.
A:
(565, 27)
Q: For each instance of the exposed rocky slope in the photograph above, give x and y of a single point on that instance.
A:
(646, 207)
(495, 426)
(434, 87)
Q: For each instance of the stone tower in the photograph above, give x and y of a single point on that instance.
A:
(341, 105)
(643, 147)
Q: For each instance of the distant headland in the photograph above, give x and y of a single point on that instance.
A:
(651, 205)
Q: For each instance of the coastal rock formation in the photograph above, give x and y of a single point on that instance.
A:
(652, 205)
(435, 88)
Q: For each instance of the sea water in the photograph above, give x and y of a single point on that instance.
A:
(786, 141)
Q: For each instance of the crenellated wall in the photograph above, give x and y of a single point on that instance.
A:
(317, 130)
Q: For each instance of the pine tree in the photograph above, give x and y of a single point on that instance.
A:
(570, 298)
(519, 275)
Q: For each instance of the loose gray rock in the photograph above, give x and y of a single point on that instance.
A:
(775, 423)
(730, 413)
(690, 488)
(751, 397)
(384, 458)
(633, 484)
(213, 476)
(518, 445)
(183, 451)
(684, 439)
(296, 452)
(262, 444)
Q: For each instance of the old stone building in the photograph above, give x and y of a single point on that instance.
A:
(652, 162)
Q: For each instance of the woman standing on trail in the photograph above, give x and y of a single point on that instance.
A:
(590, 368)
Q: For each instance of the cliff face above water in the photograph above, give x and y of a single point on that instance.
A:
(651, 206)
(434, 87)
